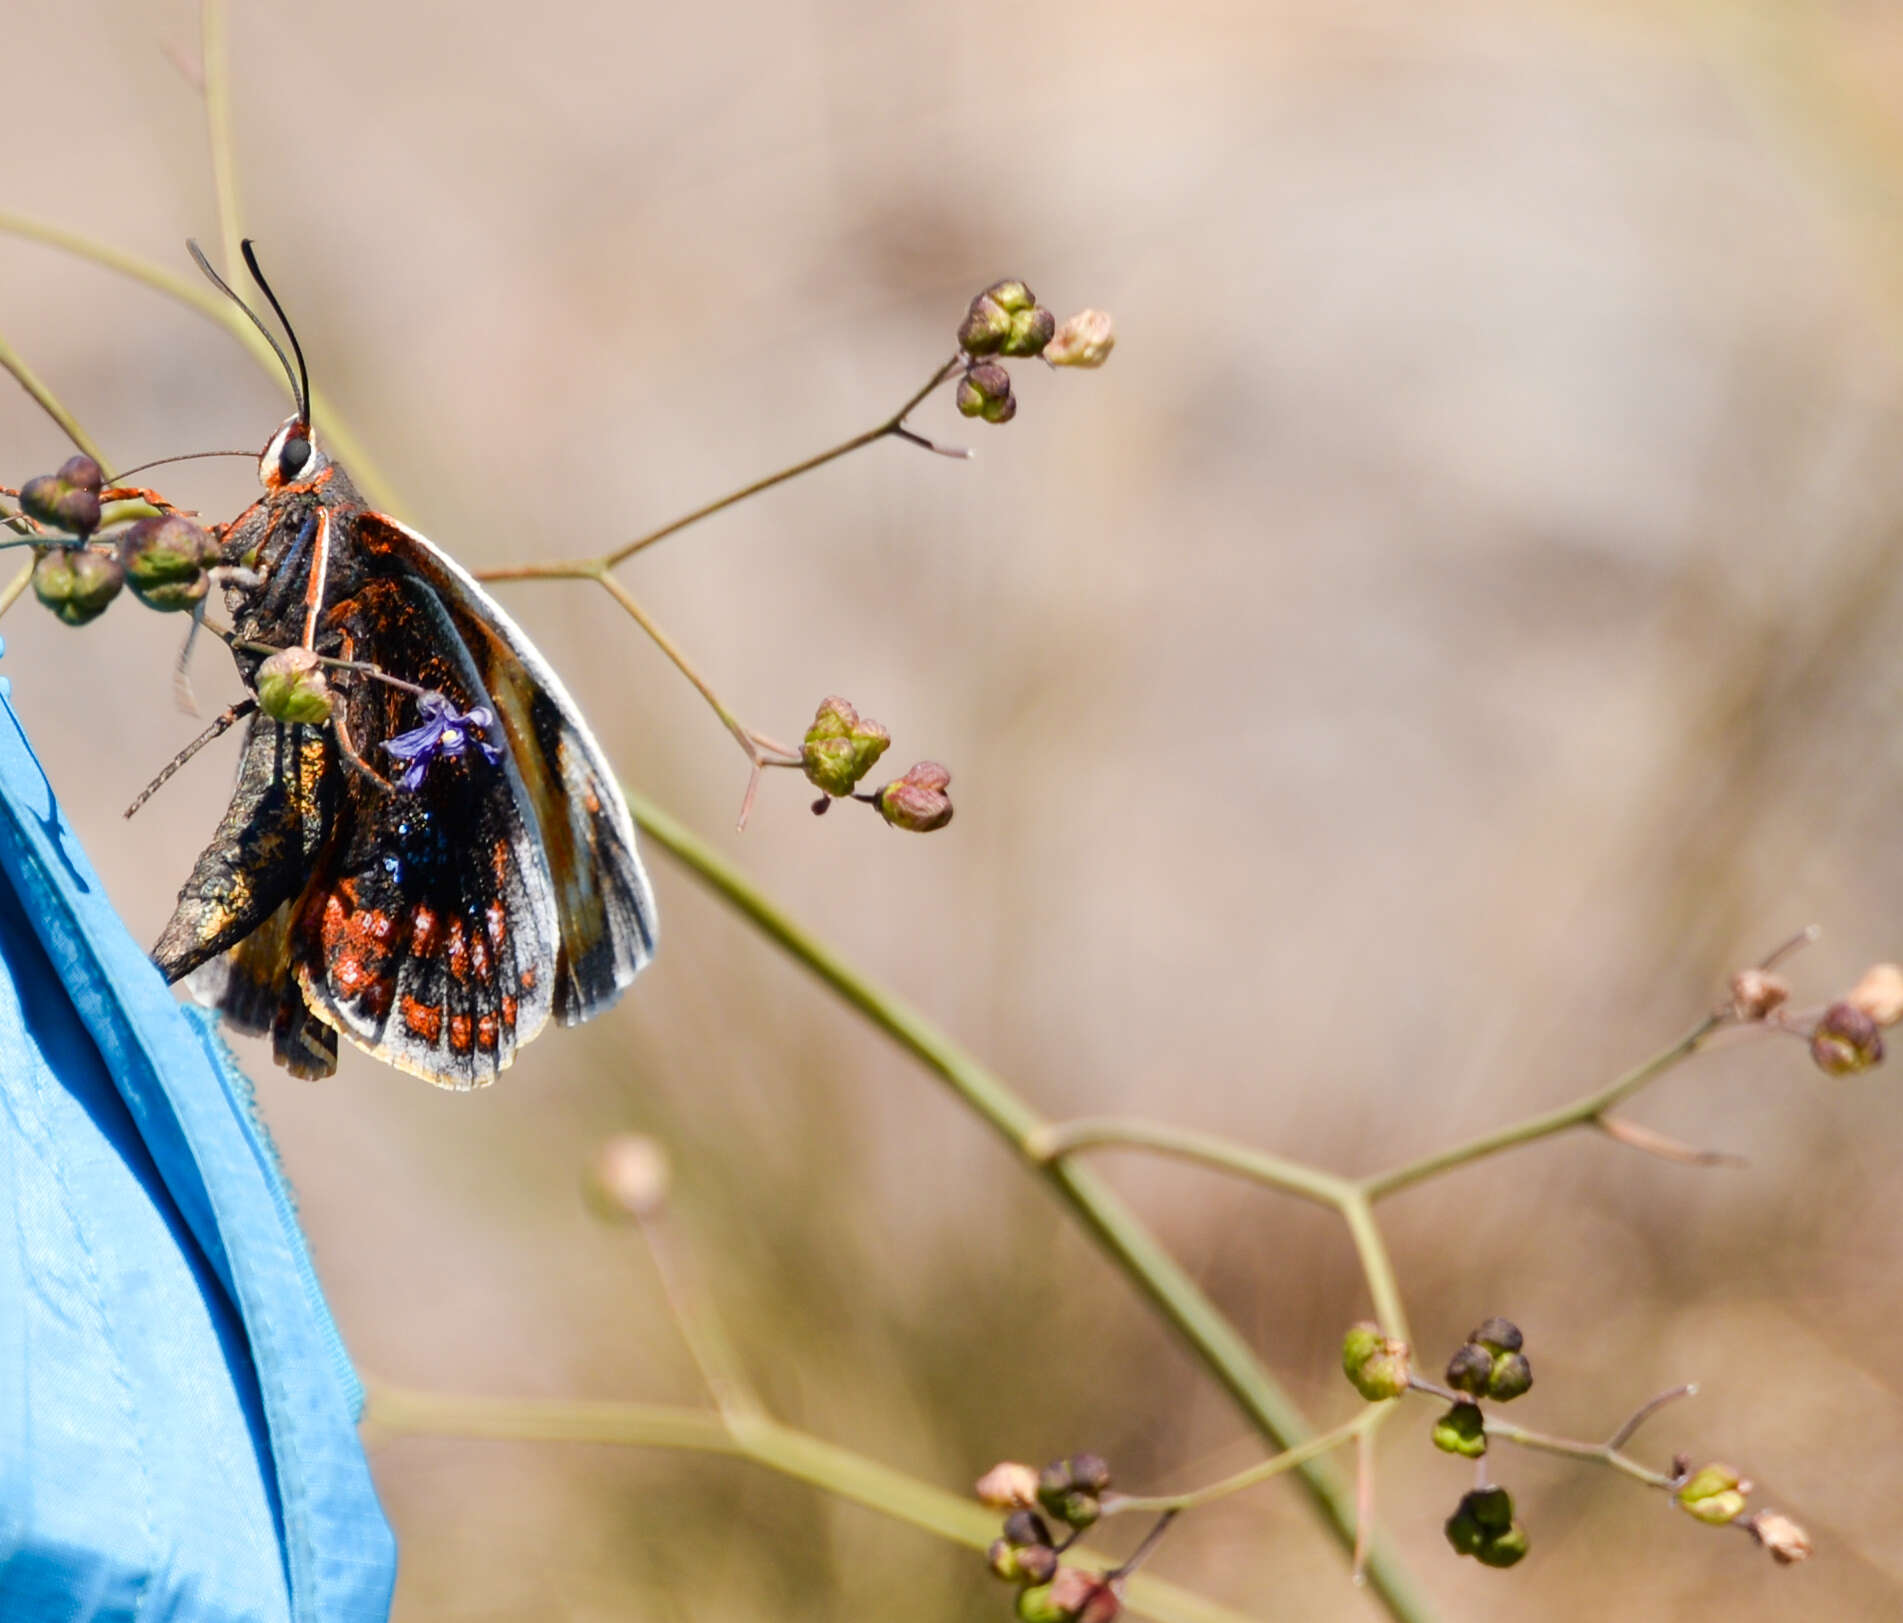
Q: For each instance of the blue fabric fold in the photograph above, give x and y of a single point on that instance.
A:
(177, 1413)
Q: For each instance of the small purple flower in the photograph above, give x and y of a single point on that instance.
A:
(443, 732)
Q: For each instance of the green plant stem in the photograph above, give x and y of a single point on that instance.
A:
(216, 61)
(758, 1439)
(1342, 1195)
(15, 587)
(1128, 1241)
(1288, 1460)
(1580, 1113)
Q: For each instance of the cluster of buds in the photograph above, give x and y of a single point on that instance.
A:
(67, 501)
(842, 747)
(1007, 321)
(166, 559)
(1846, 1037)
(1490, 1364)
(1376, 1365)
(1068, 1493)
(1483, 1527)
(1716, 1495)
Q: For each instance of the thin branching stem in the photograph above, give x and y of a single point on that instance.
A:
(1288, 1460)
(1580, 1113)
(1610, 1452)
(758, 1439)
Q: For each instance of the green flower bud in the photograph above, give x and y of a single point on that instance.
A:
(985, 391)
(917, 802)
(1040, 1604)
(1462, 1430)
(1512, 1377)
(1470, 1369)
(1714, 1494)
(166, 561)
(1845, 1041)
(67, 500)
(1030, 332)
(1022, 1563)
(76, 583)
(1025, 1528)
(291, 688)
(841, 747)
(1505, 1549)
(1377, 1366)
(997, 318)
(1499, 1336)
(1483, 1527)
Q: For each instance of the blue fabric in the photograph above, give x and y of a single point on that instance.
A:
(177, 1414)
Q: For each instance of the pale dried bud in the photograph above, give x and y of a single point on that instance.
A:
(1787, 1542)
(628, 1178)
(1085, 340)
(1755, 993)
(1008, 1486)
(1879, 994)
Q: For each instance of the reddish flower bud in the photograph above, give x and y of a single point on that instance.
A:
(917, 802)
(841, 747)
(63, 503)
(1845, 1040)
(1756, 992)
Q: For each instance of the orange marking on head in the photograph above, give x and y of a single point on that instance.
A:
(458, 951)
(424, 1019)
(422, 933)
(459, 1033)
(508, 1012)
(486, 1032)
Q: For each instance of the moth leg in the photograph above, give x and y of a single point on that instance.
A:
(263, 850)
(352, 759)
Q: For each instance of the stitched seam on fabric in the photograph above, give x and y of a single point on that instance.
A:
(121, 1382)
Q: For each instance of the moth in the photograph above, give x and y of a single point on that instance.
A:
(447, 862)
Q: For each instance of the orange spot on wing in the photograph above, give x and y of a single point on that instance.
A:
(348, 974)
(423, 934)
(486, 1032)
(458, 951)
(333, 925)
(479, 955)
(528, 979)
(424, 1019)
(508, 1012)
(459, 1033)
(496, 916)
(499, 860)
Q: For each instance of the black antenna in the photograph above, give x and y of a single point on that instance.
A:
(290, 332)
(295, 377)
(188, 456)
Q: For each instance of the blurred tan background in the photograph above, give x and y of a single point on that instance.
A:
(1457, 628)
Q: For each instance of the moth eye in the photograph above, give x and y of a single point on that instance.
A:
(292, 456)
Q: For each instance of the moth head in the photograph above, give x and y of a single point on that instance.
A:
(291, 457)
